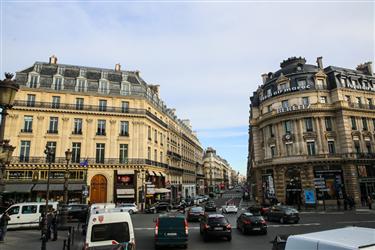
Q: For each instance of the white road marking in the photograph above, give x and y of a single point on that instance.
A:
(152, 228)
(354, 222)
(295, 225)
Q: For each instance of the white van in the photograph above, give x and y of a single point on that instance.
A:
(348, 238)
(26, 215)
(108, 228)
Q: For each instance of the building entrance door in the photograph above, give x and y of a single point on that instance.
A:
(98, 192)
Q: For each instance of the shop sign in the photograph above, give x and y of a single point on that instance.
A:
(293, 108)
(283, 91)
(359, 87)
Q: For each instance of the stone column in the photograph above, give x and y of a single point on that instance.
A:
(318, 133)
(279, 140)
(300, 131)
(351, 182)
(279, 180)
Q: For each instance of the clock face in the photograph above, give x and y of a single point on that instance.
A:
(287, 137)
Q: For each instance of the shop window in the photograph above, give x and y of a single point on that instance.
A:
(309, 124)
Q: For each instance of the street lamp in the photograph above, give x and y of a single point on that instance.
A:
(8, 89)
(64, 217)
(49, 157)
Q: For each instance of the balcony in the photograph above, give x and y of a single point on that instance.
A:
(361, 106)
(124, 134)
(77, 132)
(101, 133)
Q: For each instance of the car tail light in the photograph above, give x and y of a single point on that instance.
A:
(206, 226)
(263, 221)
(229, 226)
(247, 222)
(86, 246)
(157, 229)
(114, 242)
(186, 228)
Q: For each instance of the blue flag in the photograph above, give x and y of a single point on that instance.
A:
(84, 163)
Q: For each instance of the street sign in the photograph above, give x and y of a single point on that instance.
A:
(309, 196)
(148, 182)
(324, 189)
(150, 185)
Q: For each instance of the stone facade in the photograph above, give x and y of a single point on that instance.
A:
(310, 124)
(127, 145)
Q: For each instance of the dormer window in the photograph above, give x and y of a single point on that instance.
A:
(60, 71)
(103, 87)
(33, 81)
(301, 83)
(320, 84)
(57, 83)
(82, 73)
(125, 88)
(283, 86)
(81, 85)
(104, 75)
(37, 67)
(269, 92)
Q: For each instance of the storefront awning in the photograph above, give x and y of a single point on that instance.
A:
(152, 173)
(161, 174)
(162, 190)
(57, 187)
(18, 188)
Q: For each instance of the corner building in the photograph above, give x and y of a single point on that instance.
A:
(312, 129)
(127, 145)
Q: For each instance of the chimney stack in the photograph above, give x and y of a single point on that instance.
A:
(264, 77)
(53, 59)
(319, 61)
(118, 67)
(365, 68)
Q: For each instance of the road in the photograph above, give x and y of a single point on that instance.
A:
(144, 229)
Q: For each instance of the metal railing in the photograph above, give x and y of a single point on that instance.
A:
(361, 106)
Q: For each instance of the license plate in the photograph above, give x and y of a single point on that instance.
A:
(218, 228)
(171, 234)
(256, 229)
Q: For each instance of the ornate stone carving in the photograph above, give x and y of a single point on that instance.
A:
(112, 121)
(288, 137)
(13, 116)
(330, 134)
(65, 119)
(39, 117)
(89, 120)
(309, 135)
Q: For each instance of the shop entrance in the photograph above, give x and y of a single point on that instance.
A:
(98, 189)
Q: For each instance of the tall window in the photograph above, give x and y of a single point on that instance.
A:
(30, 100)
(124, 128)
(305, 101)
(354, 123)
(289, 149)
(328, 122)
(373, 123)
(149, 132)
(301, 83)
(309, 124)
(25, 151)
(359, 100)
(285, 104)
(79, 103)
(27, 124)
(100, 152)
(155, 155)
(364, 123)
(53, 125)
(58, 83)
(369, 102)
(123, 153)
(76, 152)
(77, 126)
(52, 146)
(101, 127)
(161, 138)
(357, 147)
(124, 107)
(156, 136)
(331, 147)
(368, 147)
(55, 102)
(273, 151)
(33, 81)
(288, 127)
(161, 157)
(149, 153)
(103, 87)
(81, 85)
(270, 128)
(102, 105)
(347, 98)
(320, 84)
(311, 148)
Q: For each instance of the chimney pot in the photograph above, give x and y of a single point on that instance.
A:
(118, 67)
(53, 59)
(365, 68)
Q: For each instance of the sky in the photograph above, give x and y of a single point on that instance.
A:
(207, 56)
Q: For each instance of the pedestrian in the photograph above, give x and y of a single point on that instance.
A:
(338, 204)
(4, 225)
(54, 224)
(345, 203)
(49, 224)
(369, 202)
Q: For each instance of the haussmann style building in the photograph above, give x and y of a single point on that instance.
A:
(127, 146)
(311, 134)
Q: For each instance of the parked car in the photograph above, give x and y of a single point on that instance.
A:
(180, 205)
(131, 208)
(354, 238)
(248, 222)
(201, 199)
(211, 195)
(230, 209)
(215, 225)
(75, 211)
(158, 207)
(210, 206)
(171, 230)
(258, 209)
(194, 213)
(109, 227)
(283, 214)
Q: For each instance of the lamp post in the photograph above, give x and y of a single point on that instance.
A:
(64, 217)
(8, 89)
(49, 157)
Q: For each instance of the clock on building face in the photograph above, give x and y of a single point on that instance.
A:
(288, 137)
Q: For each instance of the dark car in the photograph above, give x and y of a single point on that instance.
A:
(194, 213)
(248, 222)
(75, 212)
(210, 206)
(283, 214)
(215, 225)
(279, 242)
(262, 210)
(171, 230)
(158, 207)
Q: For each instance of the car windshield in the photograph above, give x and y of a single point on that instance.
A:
(218, 220)
(175, 222)
(111, 231)
(197, 209)
(290, 210)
